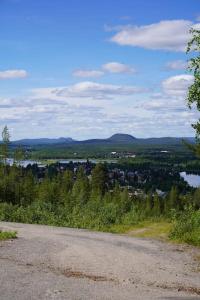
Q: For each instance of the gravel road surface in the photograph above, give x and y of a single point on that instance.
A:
(61, 263)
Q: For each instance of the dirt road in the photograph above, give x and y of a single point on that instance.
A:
(61, 263)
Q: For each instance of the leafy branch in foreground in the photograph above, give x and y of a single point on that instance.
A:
(194, 67)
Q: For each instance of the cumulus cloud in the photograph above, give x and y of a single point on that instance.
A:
(171, 35)
(116, 67)
(110, 67)
(94, 90)
(196, 26)
(198, 18)
(177, 85)
(74, 112)
(88, 73)
(12, 74)
(5, 102)
(176, 65)
(165, 107)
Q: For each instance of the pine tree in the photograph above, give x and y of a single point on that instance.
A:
(18, 155)
(67, 181)
(81, 188)
(5, 144)
(156, 211)
(196, 199)
(148, 204)
(125, 201)
(173, 198)
(99, 179)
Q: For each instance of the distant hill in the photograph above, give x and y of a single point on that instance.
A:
(165, 140)
(43, 141)
(122, 138)
(118, 138)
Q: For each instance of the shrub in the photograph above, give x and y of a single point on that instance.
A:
(5, 235)
(187, 227)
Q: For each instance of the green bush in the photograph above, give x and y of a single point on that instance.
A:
(132, 217)
(187, 227)
(5, 235)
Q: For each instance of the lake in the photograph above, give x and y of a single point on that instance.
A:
(192, 179)
(23, 163)
(95, 161)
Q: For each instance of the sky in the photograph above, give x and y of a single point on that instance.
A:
(90, 69)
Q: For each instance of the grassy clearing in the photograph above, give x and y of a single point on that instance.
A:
(184, 230)
(5, 235)
(146, 229)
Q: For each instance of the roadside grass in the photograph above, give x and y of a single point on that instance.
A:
(146, 229)
(191, 238)
(186, 228)
(5, 235)
(164, 230)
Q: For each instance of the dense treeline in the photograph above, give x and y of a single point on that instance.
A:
(79, 201)
(104, 151)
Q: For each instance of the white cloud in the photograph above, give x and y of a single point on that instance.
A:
(110, 67)
(12, 74)
(5, 102)
(177, 85)
(171, 35)
(94, 90)
(86, 89)
(176, 65)
(88, 73)
(196, 26)
(73, 108)
(116, 67)
(198, 18)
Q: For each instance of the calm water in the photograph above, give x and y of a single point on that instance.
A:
(191, 179)
(23, 163)
(95, 161)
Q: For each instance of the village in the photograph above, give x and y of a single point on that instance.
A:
(137, 180)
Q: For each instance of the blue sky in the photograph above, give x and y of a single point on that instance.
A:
(93, 68)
